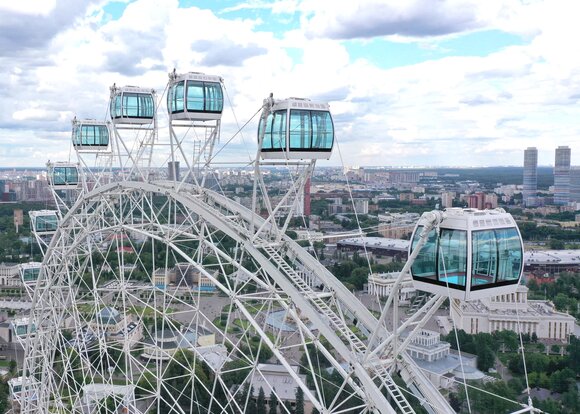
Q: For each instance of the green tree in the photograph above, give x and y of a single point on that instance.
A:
(252, 407)
(299, 401)
(482, 402)
(261, 402)
(273, 404)
(561, 381)
(485, 358)
(574, 354)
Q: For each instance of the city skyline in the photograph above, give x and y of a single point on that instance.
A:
(487, 80)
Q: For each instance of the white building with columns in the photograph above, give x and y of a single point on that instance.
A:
(513, 312)
(381, 284)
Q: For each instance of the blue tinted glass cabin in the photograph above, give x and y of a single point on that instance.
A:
(425, 265)
(92, 135)
(194, 100)
(484, 258)
(453, 256)
(510, 255)
(322, 130)
(214, 100)
(300, 130)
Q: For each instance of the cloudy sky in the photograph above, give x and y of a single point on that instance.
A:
(414, 82)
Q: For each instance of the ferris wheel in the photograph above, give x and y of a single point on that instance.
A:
(160, 294)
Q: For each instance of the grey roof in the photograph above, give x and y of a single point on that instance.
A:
(109, 316)
(377, 243)
(559, 257)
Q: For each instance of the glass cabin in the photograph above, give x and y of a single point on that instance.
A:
(477, 254)
(63, 175)
(21, 389)
(132, 105)
(297, 129)
(29, 272)
(43, 221)
(22, 327)
(90, 135)
(195, 96)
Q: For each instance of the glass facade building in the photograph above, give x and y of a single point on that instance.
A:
(530, 177)
(562, 176)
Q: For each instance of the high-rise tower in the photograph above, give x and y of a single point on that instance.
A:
(575, 184)
(530, 176)
(562, 176)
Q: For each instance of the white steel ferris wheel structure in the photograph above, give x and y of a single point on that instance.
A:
(161, 295)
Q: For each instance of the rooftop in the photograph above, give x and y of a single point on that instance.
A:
(377, 243)
(560, 257)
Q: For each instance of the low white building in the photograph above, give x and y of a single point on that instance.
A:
(381, 284)
(117, 327)
(513, 312)
(10, 274)
(275, 377)
(442, 366)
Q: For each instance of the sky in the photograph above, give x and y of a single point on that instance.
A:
(409, 83)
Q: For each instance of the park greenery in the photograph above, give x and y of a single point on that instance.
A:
(353, 273)
(555, 371)
(17, 247)
(564, 292)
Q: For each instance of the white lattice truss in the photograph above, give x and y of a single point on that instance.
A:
(87, 269)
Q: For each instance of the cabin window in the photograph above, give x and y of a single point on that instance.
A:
(195, 96)
(425, 265)
(322, 130)
(65, 175)
(214, 100)
(453, 256)
(496, 256)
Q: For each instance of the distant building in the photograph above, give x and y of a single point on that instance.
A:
(530, 177)
(476, 201)
(361, 205)
(490, 201)
(551, 262)
(160, 278)
(395, 230)
(575, 184)
(117, 327)
(381, 284)
(562, 176)
(513, 312)
(447, 199)
(378, 246)
(438, 363)
(275, 377)
(9, 274)
(173, 173)
(406, 197)
(165, 342)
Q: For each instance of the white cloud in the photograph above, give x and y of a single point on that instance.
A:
(466, 110)
(29, 7)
